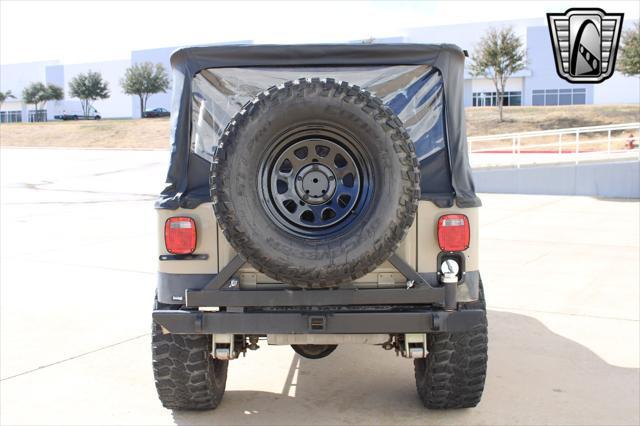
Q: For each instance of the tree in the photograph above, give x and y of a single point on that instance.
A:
(629, 62)
(88, 87)
(497, 56)
(38, 94)
(5, 95)
(144, 80)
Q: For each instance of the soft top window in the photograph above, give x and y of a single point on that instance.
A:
(413, 92)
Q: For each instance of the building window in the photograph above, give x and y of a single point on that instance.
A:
(579, 96)
(552, 97)
(11, 117)
(537, 98)
(565, 97)
(37, 115)
(480, 99)
(515, 98)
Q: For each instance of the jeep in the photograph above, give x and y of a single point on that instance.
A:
(318, 195)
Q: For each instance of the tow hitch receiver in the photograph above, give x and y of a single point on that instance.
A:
(415, 346)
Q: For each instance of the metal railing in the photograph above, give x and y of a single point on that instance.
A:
(577, 144)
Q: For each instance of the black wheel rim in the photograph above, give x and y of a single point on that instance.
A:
(316, 181)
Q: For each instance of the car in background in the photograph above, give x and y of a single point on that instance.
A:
(92, 114)
(156, 112)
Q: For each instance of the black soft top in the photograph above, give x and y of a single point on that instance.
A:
(187, 183)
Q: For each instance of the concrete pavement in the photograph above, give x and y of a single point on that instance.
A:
(77, 278)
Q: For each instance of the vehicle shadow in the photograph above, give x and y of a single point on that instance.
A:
(535, 377)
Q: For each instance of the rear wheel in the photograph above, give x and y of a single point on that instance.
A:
(453, 373)
(187, 377)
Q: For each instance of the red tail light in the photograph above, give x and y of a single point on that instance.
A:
(180, 235)
(453, 232)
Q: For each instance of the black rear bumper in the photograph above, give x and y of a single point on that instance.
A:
(424, 305)
(197, 290)
(417, 321)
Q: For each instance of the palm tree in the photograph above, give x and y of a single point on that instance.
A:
(5, 95)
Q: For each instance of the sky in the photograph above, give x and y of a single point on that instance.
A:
(92, 31)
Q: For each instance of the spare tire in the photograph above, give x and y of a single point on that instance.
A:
(315, 182)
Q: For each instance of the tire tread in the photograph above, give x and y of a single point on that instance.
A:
(454, 372)
(336, 274)
(186, 376)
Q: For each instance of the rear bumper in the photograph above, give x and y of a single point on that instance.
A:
(417, 321)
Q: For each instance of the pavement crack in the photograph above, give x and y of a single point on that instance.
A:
(38, 186)
(42, 367)
(128, 169)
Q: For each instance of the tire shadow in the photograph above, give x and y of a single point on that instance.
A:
(535, 377)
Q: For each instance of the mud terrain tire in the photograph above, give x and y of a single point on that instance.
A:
(454, 371)
(187, 377)
(315, 182)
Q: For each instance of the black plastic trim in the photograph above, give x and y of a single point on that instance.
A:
(172, 287)
(193, 256)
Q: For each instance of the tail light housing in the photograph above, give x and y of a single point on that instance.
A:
(180, 235)
(453, 232)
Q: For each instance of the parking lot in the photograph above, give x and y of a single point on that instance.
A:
(78, 273)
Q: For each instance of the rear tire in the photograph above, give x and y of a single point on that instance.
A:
(187, 377)
(453, 373)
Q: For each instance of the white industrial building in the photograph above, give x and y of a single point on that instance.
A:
(537, 84)
(15, 77)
